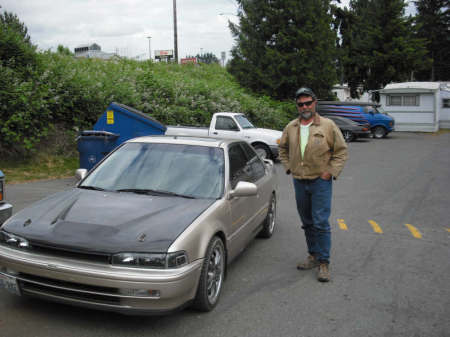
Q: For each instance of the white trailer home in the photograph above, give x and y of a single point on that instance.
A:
(417, 106)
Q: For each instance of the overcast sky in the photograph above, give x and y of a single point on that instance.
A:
(123, 25)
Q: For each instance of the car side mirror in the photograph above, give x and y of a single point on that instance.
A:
(244, 189)
(268, 162)
(80, 174)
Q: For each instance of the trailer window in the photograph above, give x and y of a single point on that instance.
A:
(403, 100)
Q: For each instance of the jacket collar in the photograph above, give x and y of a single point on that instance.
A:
(316, 120)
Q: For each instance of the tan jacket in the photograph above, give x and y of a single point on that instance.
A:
(326, 149)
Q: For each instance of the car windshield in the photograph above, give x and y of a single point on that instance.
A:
(161, 169)
(244, 122)
(374, 109)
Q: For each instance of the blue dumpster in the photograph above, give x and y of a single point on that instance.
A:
(94, 145)
(128, 123)
(115, 126)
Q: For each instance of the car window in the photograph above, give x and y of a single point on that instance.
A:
(244, 122)
(371, 109)
(238, 165)
(226, 123)
(195, 171)
(254, 163)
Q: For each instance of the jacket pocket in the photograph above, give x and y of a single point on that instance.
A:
(319, 143)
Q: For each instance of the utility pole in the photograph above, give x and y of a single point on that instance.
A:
(175, 37)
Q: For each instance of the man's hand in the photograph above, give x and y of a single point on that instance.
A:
(325, 175)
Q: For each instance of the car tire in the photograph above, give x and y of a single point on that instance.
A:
(348, 136)
(211, 277)
(263, 151)
(379, 132)
(270, 220)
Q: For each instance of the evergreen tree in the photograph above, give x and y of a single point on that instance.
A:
(380, 44)
(433, 24)
(284, 44)
(207, 58)
(63, 50)
(16, 50)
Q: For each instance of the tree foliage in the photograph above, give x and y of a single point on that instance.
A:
(22, 114)
(42, 93)
(16, 49)
(282, 45)
(207, 58)
(433, 24)
(378, 44)
(63, 50)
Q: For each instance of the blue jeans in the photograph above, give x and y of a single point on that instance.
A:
(314, 207)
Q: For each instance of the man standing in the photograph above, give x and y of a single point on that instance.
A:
(313, 150)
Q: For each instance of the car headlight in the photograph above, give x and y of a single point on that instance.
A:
(13, 240)
(150, 260)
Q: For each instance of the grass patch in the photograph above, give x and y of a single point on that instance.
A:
(40, 167)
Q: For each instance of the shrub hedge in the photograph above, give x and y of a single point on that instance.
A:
(72, 93)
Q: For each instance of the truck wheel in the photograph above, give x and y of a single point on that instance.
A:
(263, 151)
(378, 132)
(212, 276)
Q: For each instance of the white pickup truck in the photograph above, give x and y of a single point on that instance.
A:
(234, 126)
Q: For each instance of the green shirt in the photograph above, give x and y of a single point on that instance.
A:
(304, 134)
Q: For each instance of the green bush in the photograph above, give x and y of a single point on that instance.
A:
(72, 93)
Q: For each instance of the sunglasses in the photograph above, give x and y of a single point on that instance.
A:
(307, 103)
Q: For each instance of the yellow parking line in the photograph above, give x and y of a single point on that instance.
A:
(376, 227)
(342, 224)
(414, 231)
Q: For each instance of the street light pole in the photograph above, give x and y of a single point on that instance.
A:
(175, 38)
(149, 48)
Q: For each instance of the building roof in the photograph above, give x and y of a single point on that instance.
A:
(414, 85)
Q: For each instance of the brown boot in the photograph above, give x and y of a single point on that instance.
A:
(310, 263)
(324, 272)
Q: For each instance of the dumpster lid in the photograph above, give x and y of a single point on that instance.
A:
(99, 133)
(140, 114)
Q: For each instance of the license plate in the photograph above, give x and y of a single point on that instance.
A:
(9, 283)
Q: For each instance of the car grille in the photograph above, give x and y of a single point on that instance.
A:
(41, 286)
(71, 254)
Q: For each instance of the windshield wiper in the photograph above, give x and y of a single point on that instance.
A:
(176, 194)
(154, 192)
(138, 191)
(95, 188)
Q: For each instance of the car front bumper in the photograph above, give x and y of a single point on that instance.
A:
(5, 212)
(100, 286)
(363, 134)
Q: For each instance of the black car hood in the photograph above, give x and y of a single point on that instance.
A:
(106, 222)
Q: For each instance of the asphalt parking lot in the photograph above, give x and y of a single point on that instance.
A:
(390, 261)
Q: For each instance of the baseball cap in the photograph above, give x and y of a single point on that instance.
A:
(305, 91)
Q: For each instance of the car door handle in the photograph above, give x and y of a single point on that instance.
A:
(215, 133)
